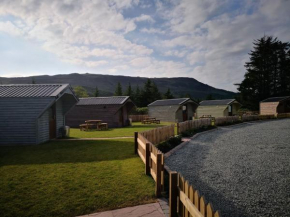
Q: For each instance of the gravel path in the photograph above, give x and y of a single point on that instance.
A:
(244, 170)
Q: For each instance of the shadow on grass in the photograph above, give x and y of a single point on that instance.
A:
(67, 152)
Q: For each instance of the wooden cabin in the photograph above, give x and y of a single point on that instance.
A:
(112, 110)
(173, 110)
(218, 108)
(275, 105)
(33, 113)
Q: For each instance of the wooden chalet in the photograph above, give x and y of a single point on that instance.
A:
(275, 105)
(112, 110)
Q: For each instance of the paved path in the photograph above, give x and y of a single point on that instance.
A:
(147, 210)
(80, 139)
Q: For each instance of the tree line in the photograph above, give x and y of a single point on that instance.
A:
(143, 96)
(267, 72)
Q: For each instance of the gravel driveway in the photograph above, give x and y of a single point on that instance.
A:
(244, 170)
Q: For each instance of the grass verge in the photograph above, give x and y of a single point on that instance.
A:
(69, 178)
(115, 132)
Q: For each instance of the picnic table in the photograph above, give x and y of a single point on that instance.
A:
(150, 121)
(90, 124)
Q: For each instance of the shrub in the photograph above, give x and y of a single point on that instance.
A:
(169, 144)
(140, 111)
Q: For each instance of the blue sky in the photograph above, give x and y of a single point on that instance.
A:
(208, 40)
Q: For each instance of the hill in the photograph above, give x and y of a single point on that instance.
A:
(107, 83)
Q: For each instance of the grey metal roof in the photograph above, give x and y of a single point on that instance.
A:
(216, 102)
(169, 102)
(276, 99)
(114, 100)
(31, 90)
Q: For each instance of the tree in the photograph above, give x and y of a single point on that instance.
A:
(149, 94)
(129, 91)
(209, 97)
(267, 72)
(118, 91)
(96, 94)
(137, 96)
(168, 94)
(81, 92)
(33, 81)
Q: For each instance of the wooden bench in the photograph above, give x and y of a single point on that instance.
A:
(150, 121)
(103, 126)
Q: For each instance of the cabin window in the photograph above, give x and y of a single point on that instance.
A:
(230, 108)
(184, 108)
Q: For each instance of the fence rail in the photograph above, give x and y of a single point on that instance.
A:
(138, 118)
(160, 134)
(226, 120)
(185, 201)
(153, 160)
(193, 124)
(283, 115)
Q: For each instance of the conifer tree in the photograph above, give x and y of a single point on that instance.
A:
(96, 94)
(118, 91)
(168, 94)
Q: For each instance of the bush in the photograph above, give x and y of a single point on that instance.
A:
(169, 144)
(191, 132)
(140, 111)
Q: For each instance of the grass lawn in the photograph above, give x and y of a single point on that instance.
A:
(69, 178)
(115, 132)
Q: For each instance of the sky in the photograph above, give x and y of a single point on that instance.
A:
(208, 40)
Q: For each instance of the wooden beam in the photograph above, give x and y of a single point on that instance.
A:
(189, 205)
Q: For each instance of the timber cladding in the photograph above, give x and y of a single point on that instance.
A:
(114, 115)
(267, 108)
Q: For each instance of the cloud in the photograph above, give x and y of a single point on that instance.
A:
(10, 28)
(208, 40)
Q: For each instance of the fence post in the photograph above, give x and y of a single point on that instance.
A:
(173, 194)
(158, 175)
(136, 142)
(147, 159)
(177, 128)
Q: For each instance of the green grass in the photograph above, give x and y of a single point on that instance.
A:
(69, 178)
(115, 132)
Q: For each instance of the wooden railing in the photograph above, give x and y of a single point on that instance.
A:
(250, 117)
(226, 120)
(138, 118)
(185, 201)
(193, 124)
(283, 115)
(160, 134)
(153, 160)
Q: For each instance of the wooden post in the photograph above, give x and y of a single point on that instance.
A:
(147, 159)
(177, 127)
(173, 194)
(158, 175)
(136, 142)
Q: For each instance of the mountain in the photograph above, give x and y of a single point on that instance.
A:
(106, 84)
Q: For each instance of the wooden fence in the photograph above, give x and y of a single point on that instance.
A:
(160, 134)
(250, 117)
(138, 118)
(264, 117)
(226, 120)
(193, 124)
(153, 160)
(185, 201)
(283, 115)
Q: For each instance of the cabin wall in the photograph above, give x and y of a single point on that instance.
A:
(268, 108)
(214, 111)
(43, 127)
(18, 119)
(59, 118)
(284, 107)
(164, 113)
(80, 113)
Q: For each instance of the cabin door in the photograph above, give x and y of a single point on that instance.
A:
(230, 108)
(52, 122)
(184, 113)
